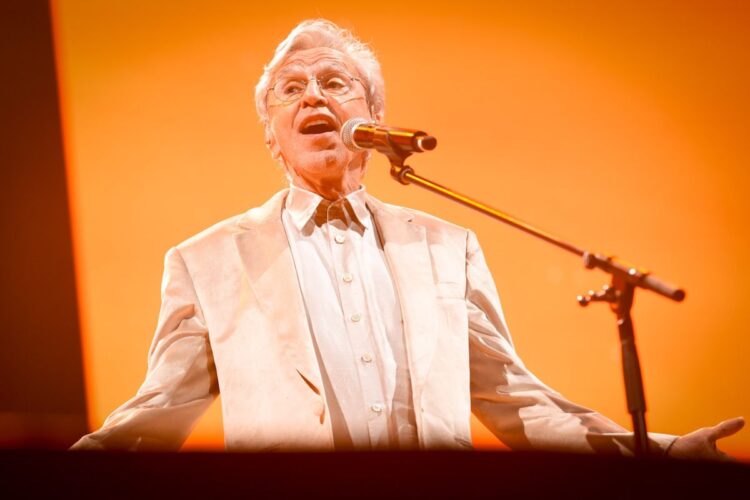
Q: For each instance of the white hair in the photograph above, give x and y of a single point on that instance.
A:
(315, 33)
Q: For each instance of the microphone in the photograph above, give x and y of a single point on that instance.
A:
(359, 133)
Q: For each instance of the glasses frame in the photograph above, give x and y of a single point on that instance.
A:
(283, 102)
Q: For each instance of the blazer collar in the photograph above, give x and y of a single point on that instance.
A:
(407, 251)
(268, 262)
(268, 213)
(266, 256)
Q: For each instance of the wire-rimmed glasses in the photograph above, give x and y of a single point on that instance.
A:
(335, 83)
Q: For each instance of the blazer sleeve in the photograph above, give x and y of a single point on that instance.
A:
(181, 379)
(510, 401)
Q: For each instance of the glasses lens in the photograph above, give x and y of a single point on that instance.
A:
(291, 89)
(335, 83)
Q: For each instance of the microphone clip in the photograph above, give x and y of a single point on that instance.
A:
(397, 144)
(387, 143)
(382, 142)
(396, 155)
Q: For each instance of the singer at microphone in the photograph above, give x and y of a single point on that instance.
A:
(330, 320)
(359, 133)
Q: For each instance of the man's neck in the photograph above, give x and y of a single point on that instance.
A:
(330, 192)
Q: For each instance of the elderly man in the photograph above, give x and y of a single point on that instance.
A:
(329, 320)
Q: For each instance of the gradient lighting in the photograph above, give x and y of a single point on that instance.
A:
(622, 128)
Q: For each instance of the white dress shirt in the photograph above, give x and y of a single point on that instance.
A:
(355, 318)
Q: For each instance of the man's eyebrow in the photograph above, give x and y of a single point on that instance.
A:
(294, 68)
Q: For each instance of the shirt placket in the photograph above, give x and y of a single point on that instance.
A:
(344, 246)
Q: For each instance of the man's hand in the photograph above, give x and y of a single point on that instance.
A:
(701, 444)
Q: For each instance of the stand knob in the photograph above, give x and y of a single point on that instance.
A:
(606, 294)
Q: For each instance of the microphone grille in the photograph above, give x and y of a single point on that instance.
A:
(347, 132)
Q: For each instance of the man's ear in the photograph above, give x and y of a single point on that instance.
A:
(272, 144)
(378, 117)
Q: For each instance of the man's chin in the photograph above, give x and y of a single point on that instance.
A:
(322, 163)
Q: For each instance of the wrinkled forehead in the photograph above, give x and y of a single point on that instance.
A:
(315, 61)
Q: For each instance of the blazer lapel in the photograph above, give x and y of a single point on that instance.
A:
(407, 252)
(267, 259)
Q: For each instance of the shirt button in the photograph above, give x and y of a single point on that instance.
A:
(356, 317)
(366, 358)
(348, 277)
(377, 407)
(339, 238)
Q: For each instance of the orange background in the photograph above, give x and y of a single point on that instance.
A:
(619, 126)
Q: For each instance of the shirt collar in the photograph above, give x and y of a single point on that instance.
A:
(302, 206)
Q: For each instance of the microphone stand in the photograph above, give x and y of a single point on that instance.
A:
(625, 278)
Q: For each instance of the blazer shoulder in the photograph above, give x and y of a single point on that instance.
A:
(430, 222)
(222, 233)
(211, 236)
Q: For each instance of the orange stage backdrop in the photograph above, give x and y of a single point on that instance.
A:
(620, 127)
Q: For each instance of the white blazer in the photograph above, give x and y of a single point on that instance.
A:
(232, 321)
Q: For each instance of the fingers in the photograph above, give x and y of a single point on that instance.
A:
(726, 428)
(724, 457)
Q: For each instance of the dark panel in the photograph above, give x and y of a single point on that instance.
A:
(382, 475)
(42, 399)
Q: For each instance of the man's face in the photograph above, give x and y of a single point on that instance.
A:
(305, 133)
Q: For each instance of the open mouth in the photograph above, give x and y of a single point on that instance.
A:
(317, 127)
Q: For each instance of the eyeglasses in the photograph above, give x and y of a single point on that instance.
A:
(336, 84)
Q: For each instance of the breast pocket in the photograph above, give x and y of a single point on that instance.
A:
(448, 268)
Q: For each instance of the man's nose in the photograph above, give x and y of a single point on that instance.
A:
(314, 95)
